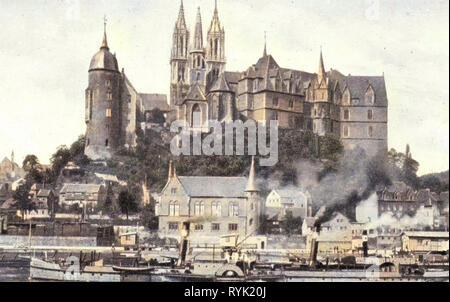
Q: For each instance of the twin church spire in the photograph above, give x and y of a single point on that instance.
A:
(193, 61)
(215, 28)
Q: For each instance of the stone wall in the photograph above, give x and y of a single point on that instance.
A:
(23, 241)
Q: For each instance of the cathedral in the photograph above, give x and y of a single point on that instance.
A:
(350, 108)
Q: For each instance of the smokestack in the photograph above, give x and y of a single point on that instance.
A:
(184, 243)
(314, 247)
(365, 244)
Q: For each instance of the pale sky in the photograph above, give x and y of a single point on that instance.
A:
(46, 47)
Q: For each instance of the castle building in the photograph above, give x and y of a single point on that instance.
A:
(231, 206)
(328, 103)
(351, 108)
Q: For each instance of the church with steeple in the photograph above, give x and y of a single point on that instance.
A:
(327, 103)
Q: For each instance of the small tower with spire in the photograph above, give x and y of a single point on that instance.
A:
(320, 102)
(321, 75)
(179, 56)
(265, 46)
(252, 193)
(215, 50)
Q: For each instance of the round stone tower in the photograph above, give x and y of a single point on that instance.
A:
(103, 118)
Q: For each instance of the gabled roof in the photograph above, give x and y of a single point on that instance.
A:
(427, 234)
(107, 177)
(9, 204)
(220, 84)
(291, 195)
(309, 221)
(44, 193)
(81, 188)
(358, 86)
(150, 101)
(334, 216)
(196, 93)
(213, 186)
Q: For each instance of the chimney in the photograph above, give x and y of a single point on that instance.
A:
(314, 248)
(172, 172)
(365, 243)
(309, 214)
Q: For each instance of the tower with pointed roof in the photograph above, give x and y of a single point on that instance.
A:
(103, 104)
(320, 104)
(254, 202)
(197, 60)
(179, 67)
(215, 49)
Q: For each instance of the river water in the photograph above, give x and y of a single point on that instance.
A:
(14, 274)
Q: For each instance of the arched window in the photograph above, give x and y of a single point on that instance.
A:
(233, 210)
(199, 209)
(370, 131)
(216, 209)
(196, 117)
(174, 208)
(369, 114)
(106, 143)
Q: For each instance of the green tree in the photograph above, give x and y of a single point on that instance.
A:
(263, 224)
(59, 159)
(156, 116)
(409, 169)
(127, 202)
(107, 206)
(77, 151)
(23, 199)
(33, 169)
(290, 224)
(148, 217)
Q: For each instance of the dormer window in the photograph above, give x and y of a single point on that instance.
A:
(346, 97)
(370, 96)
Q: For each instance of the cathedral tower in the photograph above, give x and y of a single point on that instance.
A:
(179, 67)
(215, 50)
(102, 104)
(197, 55)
